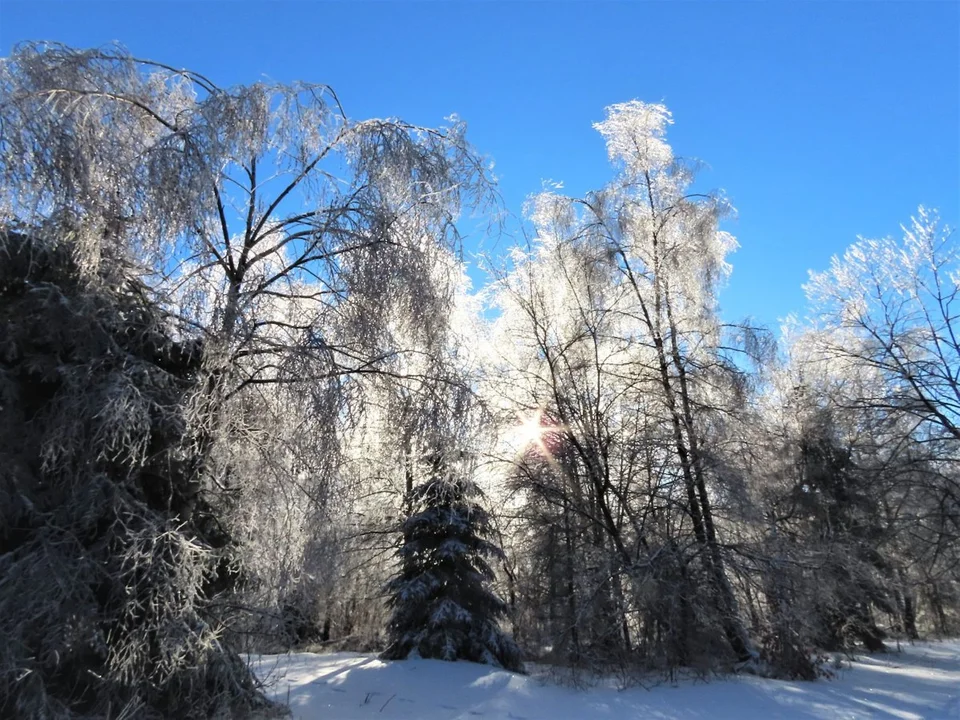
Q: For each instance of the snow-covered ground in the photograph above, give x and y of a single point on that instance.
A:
(921, 682)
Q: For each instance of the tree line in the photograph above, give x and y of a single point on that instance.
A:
(249, 402)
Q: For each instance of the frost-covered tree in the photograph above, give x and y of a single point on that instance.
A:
(615, 335)
(442, 602)
(111, 555)
(890, 307)
(879, 359)
(666, 243)
(284, 233)
(296, 249)
(574, 419)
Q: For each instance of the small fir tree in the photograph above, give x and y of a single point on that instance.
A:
(441, 601)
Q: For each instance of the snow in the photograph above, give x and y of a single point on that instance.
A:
(920, 683)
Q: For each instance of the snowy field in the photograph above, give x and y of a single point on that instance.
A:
(921, 682)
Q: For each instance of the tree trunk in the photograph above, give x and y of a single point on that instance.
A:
(732, 626)
(909, 608)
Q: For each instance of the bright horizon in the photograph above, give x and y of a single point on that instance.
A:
(819, 121)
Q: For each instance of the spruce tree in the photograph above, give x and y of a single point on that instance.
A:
(441, 601)
(112, 553)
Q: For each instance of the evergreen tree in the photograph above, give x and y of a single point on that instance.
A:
(441, 602)
(843, 519)
(112, 553)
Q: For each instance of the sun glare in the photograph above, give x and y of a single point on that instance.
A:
(528, 431)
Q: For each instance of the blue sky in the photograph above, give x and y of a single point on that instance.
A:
(820, 120)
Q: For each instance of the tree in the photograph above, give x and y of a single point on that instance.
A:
(272, 233)
(890, 307)
(617, 306)
(844, 522)
(441, 602)
(276, 228)
(111, 556)
(884, 328)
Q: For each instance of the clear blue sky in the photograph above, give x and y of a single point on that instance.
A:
(821, 120)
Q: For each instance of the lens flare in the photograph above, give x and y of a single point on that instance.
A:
(528, 431)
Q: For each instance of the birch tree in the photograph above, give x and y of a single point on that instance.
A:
(281, 238)
(882, 332)
(891, 307)
(283, 232)
(618, 300)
